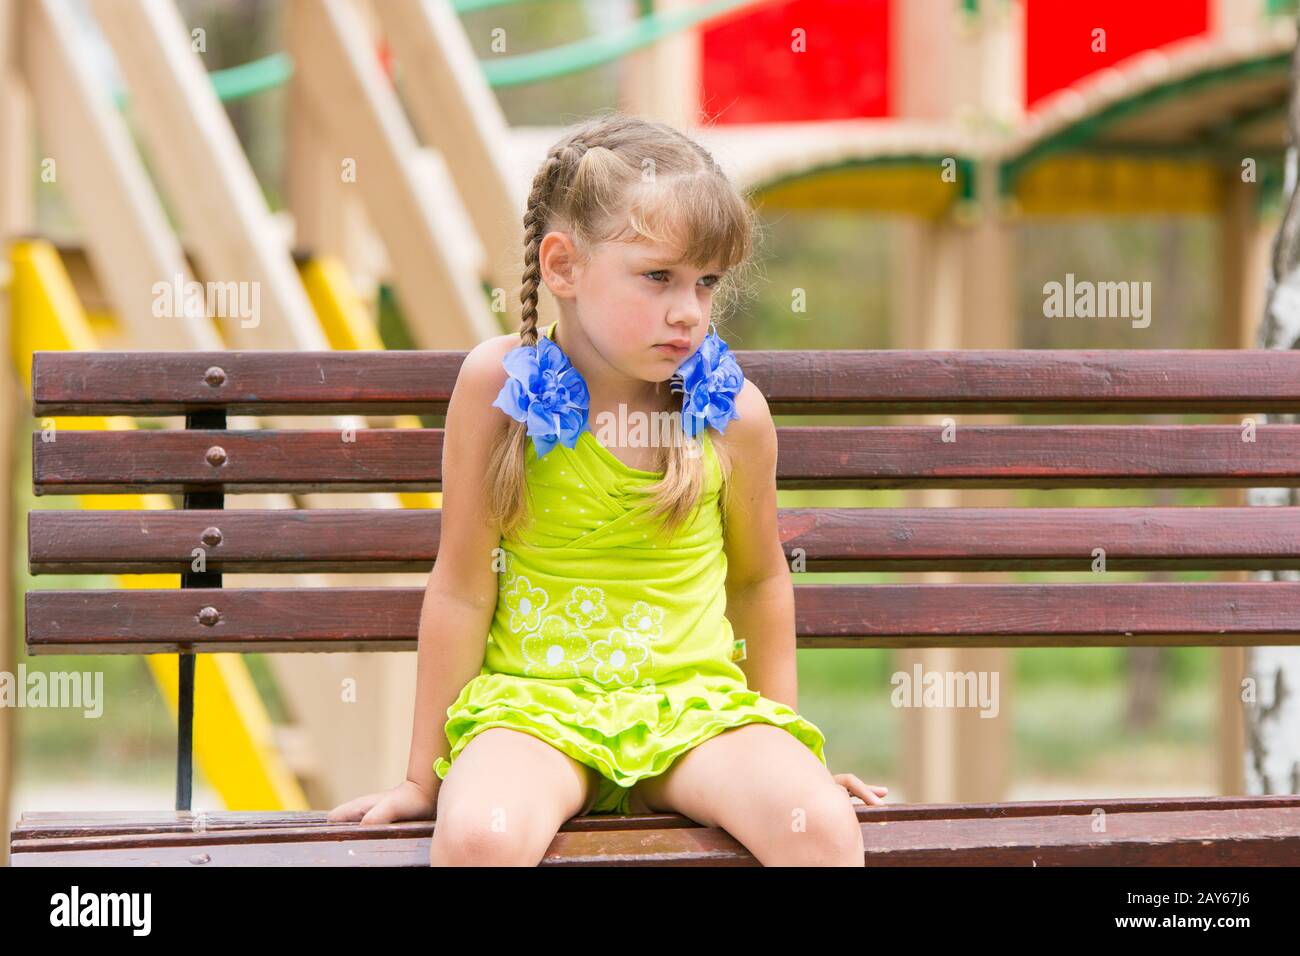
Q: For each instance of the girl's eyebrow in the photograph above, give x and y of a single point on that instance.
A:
(666, 264)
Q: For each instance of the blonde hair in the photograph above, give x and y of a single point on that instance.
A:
(615, 178)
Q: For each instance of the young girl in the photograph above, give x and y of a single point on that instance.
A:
(573, 631)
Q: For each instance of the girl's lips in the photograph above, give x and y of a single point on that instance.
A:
(674, 350)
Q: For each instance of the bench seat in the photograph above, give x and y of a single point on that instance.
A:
(1169, 831)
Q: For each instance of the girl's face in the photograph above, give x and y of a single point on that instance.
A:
(644, 312)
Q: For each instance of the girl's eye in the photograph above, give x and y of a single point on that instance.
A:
(713, 280)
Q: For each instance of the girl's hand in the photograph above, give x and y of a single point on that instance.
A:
(406, 801)
(869, 793)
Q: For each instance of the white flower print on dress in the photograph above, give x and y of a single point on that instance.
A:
(555, 650)
(586, 606)
(558, 647)
(525, 604)
(644, 622)
(619, 658)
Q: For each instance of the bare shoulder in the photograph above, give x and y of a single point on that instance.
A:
(482, 366)
(480, 380)
(751, 436)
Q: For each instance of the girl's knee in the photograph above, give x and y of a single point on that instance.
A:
(824, 829)
(488, 836)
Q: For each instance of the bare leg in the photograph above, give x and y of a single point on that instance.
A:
(504, 798)
(769, 791)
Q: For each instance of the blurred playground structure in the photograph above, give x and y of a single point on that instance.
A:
(404, 184)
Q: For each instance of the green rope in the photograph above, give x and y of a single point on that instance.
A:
(474, 6)
(269, 72)
(239, 82)
(256, 76)
(595, 51)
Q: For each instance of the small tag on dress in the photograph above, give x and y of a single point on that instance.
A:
(738, 649)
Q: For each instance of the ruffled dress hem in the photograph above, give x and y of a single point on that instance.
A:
(492, 700)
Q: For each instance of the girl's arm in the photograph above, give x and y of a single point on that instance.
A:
(461, 596)
(760, 595)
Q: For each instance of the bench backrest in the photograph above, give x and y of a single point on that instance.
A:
(205, 462)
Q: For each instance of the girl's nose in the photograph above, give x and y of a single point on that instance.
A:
(687, 315)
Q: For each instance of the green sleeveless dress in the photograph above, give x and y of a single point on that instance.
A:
(609, 641)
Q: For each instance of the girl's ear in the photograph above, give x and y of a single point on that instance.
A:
(557, 257)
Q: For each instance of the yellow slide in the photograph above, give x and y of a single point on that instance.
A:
(347, 326)
(234, 744)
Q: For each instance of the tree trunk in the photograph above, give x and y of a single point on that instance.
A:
(1269, 693)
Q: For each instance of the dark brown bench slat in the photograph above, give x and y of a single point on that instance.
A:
(252, 540)
(666, 847)
(849, 381)
(37, 825)
(1237, 837)
(1220, 614)
(1218, 836)
(1204, 614)
(287, 461)
(831, 539)
(301, 824)
(1041, 539)
(396, 459)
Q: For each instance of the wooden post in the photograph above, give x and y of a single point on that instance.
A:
(16, 200)
(955, 292)
(328, 214)
(929, 306)
(662, 82)
(126, 231)
(437, 258)
(457, 114)
(1234, 21)
(929, 32)
(203, 169)
(15, 217)
(927, 314)
(989, 320)
(1243, 275)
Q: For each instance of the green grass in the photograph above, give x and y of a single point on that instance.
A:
(1063, 728)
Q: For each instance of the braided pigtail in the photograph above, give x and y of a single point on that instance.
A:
(507, 487)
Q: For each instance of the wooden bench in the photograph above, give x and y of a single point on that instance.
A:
(204, 462)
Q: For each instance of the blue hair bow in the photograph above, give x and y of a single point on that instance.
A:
(709, 382)
(547, 392)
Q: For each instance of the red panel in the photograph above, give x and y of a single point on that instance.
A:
(751, 74)
(1059, 36)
